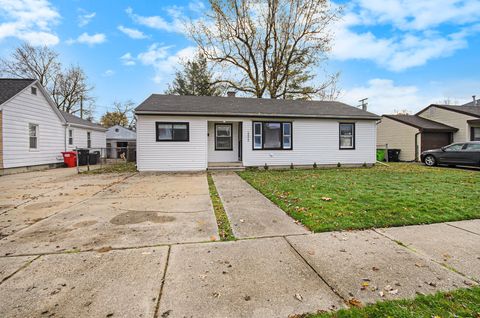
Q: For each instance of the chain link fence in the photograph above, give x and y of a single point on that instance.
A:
(94, 158)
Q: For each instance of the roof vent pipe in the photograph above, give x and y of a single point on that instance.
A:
(474, 100)
(231, 93)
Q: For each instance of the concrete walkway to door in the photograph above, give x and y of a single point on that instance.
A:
(250, 213)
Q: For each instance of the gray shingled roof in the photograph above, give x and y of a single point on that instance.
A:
(72, 119)
(249, 107)
(471, 103)
(422, 123)
(10, 87)
(464, 109)
(122, 133)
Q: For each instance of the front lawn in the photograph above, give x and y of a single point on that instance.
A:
(459, 303)
(359, 198)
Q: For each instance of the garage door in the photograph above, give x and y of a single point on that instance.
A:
(435, 140)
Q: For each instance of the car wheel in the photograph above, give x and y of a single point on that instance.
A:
(430, 161)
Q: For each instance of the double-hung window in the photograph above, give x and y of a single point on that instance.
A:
(272, 135)
(347, 136)
(89, 139)
(33, 136)
(223, 137)
(172, 131)
(70, 137)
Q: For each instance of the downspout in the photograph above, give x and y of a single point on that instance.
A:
(65, 138)
(416, 145)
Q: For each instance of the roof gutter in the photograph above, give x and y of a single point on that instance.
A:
(256, 115)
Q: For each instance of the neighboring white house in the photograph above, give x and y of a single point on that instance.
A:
(188, 133)
(120, 140)
(33, 132)
(81, 133)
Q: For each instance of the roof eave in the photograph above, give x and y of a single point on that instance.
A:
(87, 127)
(256, 115)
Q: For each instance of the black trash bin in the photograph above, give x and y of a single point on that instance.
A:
(82, 157)
(394, 155)
(94, 157)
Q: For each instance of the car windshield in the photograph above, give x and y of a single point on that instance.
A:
(454, 147)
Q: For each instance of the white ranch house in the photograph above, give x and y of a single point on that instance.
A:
(191, 133)
(34, 133)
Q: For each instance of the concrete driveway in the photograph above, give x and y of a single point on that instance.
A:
(144, 245)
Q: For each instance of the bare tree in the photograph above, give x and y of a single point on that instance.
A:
(122, 115)
(28, 61)
(273, 46)
(401, 112)
(67, 87)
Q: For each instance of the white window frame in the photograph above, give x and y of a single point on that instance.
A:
(37, 130)
(289, 136)
(260, 146)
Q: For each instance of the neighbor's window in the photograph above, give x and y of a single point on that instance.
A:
(70, 136)
(89, 139)
(475, 133)
(272, 135)
(347, 136)
(33, 134)
(454, 147)
(33, 90)
(223, 137)
(172, 131)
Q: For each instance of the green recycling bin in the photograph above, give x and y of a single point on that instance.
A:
(380, 154)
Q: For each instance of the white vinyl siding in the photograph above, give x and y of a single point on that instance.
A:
(450, 118)
(398, 136)
(18, 113)
(153, 155)
(98, 138)
(313, 140)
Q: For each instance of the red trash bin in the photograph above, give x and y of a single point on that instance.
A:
(70, 158)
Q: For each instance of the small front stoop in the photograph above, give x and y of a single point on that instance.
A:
(226, 166)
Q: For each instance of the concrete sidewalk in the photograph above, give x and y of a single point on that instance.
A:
(141, 247)
(250, 213)
(264, 277)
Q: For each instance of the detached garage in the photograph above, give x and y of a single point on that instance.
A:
(413, 134)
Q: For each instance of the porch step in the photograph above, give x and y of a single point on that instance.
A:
(235, 166)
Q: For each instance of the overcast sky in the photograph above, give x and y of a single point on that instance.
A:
(401, 54)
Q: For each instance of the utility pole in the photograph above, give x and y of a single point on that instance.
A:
(81, 106)
(364, 103)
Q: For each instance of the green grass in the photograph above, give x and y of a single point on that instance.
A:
(402, 194)
(114, 168)
(224, 229)
(459, 303)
